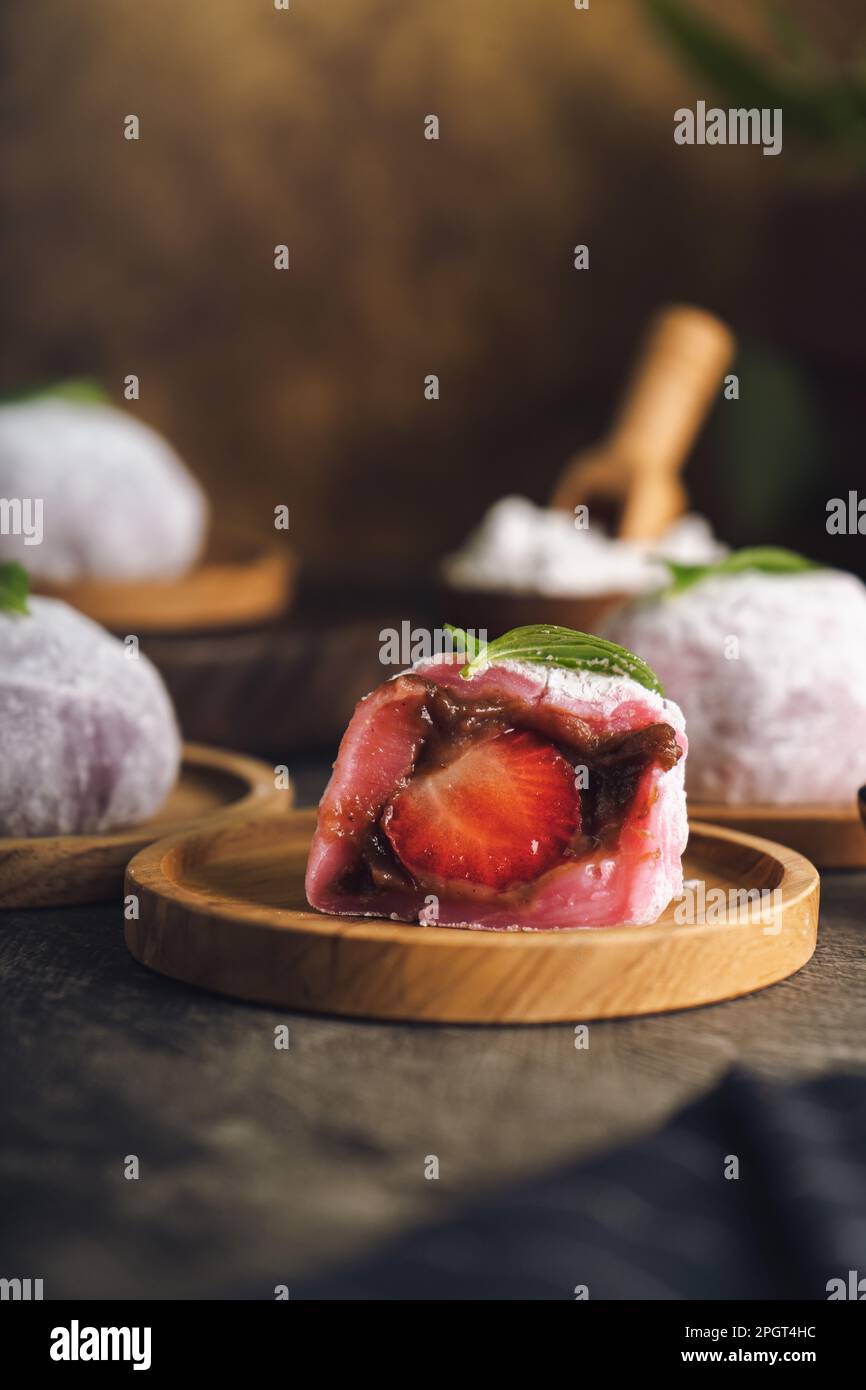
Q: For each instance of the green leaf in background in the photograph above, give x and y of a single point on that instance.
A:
(771, 446)
(85, 390)
(791, 38)
(547, 645)
(14, 588)
(828, 111)
(768, 559)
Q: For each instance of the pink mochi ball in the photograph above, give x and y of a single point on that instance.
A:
(88, 737)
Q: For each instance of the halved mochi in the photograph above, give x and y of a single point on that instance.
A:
(527, 796)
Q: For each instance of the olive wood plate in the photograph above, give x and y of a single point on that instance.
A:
(69, 869)
(224, 908)
(238, 581)
(831, 835)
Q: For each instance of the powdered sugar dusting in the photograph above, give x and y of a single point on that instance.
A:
(88, 737)
(118, 502)
(519, 547)
(603, 694)
(771, 671)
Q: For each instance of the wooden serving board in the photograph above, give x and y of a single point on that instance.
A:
(238, 582)
(832, 836)
(224, 908)
(67, 869)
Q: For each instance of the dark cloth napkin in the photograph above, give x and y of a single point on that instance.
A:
(659, 1219)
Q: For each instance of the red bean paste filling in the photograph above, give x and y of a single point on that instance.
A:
(615, 763)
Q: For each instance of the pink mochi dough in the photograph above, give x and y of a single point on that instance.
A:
(88, 737)
(632, 882)
(770, 671)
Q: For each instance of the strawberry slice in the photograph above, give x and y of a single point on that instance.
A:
(501, 813)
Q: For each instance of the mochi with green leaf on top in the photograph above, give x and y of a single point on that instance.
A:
(766, 654)
(532, 783)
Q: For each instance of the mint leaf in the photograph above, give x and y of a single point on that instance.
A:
(84, 390)
(548, 645)
(768, 559)
(464, 643)
(14, 588)
(826, 110)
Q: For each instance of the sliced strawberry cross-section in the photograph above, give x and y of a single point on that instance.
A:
(500, 814)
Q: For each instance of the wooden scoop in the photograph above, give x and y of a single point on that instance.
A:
(631, 480)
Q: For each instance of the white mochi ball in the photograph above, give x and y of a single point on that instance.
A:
(117, 502)
(88, 736)
(770, 671)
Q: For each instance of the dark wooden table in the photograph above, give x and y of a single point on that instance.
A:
(261, 1167)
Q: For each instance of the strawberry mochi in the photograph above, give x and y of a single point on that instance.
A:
(526, 796)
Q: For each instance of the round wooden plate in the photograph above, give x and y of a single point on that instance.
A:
(224, 908)
(832, 836)
(69, 869)
(238, 582)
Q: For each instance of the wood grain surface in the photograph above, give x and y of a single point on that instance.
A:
(225, 908)
(238, 581)
(68, 869)
(832, 836)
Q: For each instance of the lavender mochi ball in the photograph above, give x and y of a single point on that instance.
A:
(117, 501)
(770, 672)
(88, 737)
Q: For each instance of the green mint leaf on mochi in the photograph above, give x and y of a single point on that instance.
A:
(14, 588)
(548, 645)
(80, 389)
(766, 559)
(464, 643)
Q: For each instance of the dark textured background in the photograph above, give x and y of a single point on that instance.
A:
(411, 257)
